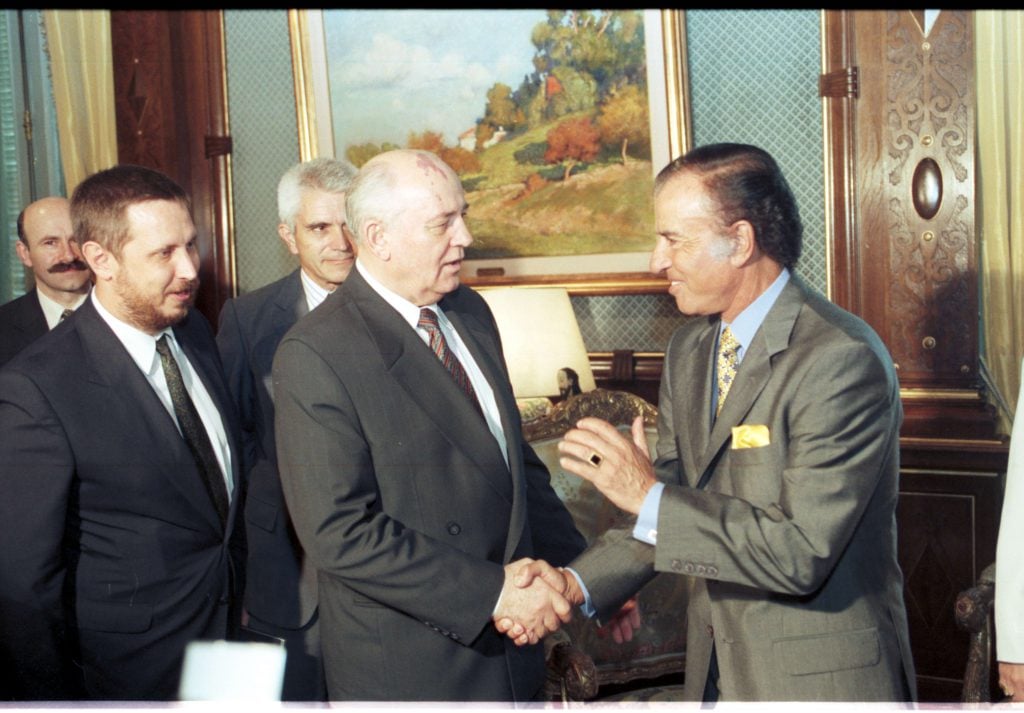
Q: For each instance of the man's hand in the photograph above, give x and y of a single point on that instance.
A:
(620, 468)
(529, 610)
(624, 623)
(1011, 680)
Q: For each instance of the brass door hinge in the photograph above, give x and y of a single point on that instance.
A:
(839, 83)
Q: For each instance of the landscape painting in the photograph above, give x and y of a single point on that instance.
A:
(549, 117)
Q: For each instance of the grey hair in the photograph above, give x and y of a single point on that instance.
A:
(369, 195)
(325, 174)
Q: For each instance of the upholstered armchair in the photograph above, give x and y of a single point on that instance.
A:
(580, 661)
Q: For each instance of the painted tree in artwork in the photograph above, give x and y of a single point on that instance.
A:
(624, 120)
(571, 142)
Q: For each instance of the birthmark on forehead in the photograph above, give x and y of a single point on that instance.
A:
(429, 165)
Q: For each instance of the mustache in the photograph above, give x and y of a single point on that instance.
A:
(76, 265)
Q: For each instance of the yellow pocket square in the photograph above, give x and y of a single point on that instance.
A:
(750, 436)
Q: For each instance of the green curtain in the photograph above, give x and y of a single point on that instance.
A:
(28, 170)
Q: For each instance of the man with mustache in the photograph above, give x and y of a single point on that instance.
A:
(280, 590)
(119, 464)
(47, 248)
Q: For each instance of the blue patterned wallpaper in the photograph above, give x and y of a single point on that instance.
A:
(754, 79)
(265, 140)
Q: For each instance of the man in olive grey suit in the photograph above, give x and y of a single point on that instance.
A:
(781, 505)
(280, 590)
(412, 495)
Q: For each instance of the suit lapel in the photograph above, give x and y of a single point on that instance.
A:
(755, 369)
(206, 368)
(141, 414)
(428, 383)
(290, 303)
(481, 343)
(696, 389)
(30, 318)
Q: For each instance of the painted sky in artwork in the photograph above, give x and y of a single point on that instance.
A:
(396, 71)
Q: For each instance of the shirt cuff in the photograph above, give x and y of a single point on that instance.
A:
(587, 607)
(646, 528)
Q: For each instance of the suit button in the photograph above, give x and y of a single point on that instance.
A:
(453, 528)
(711, 631)
(712, 571)
(688, 568)
(677, 565)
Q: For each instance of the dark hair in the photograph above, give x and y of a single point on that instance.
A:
(99, 202)
(21, 227)
(574, 382)
(746, 184)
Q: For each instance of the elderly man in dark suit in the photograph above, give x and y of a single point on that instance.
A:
(403, 464)
(118, 464)
(62, 280)
(280, 591)
(777, 457)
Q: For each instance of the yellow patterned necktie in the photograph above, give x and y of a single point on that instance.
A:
(725, 370)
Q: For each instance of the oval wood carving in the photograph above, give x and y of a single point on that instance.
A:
(926, 187)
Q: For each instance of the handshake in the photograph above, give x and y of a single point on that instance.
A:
(536, 599)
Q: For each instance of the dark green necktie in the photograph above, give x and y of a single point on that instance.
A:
(194, 431)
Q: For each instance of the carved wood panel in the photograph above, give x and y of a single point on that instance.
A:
(900, 155)
(171, 105)
(899, 128)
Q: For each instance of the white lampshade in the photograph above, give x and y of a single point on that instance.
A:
(540, 335)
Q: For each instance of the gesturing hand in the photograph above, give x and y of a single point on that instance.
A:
(529, 611)
(619, 467)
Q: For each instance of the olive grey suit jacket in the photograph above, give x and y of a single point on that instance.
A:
(792, 543)
(21, 322)
(401, 497)
(112, 555)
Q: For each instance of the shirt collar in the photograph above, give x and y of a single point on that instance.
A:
(747, 322)
(52, 309)
(410, 312)
(141, 347)
(315, 294)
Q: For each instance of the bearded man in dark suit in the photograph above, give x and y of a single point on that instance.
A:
(119, 464)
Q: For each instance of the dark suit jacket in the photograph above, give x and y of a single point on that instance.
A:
(277, 588)
(112, 556)
(792, 544)
(402, 499)
(21, 322)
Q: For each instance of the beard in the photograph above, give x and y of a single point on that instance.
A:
(147, 312)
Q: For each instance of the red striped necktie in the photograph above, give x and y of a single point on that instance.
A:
(428, 322)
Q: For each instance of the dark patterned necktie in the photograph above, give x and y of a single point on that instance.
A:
(728, 355)
(428, 321)
(65, 314)
(194, 431)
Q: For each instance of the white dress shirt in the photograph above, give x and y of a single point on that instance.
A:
(411, 314)
(52, 309)
(315, 294)
(142, 349)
